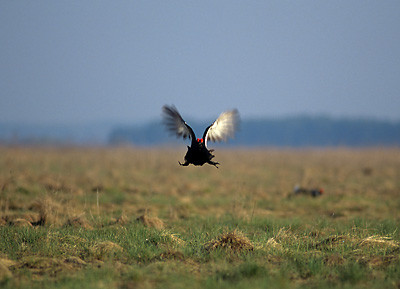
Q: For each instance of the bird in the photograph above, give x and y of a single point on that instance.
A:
(198, 154)
(312, 192)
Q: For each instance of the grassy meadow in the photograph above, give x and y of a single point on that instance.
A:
(133, 218)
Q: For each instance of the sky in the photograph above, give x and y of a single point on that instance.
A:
(89, 61)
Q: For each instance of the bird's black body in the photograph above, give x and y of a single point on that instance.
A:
(198, 154)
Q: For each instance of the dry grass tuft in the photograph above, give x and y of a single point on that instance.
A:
(121, 220)
(153, 222)
(19, 222)
(47, 210)
(75, 261)
(272, 243)
(379, 241)
(280, 240)
(356, 243)
(235, 241)
(172, 255)
(78, 222)
(285, 234)
(105, 249)
(174, 239)
(7, 262)
(5, 273)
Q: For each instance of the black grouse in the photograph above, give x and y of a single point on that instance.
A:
(198, 154)
(312, 192)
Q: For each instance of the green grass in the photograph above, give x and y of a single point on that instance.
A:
(238, 226)
(283, 256)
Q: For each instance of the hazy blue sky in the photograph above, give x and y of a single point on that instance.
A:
(81, 61)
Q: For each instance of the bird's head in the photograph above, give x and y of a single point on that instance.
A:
(200, 140)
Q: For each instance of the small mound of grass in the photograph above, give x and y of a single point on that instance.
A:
(66, 244)
(78, 222)
(121, 221)
(153, 222)
(5, 273)
(105, 249)
(47, 209)
(19, 222)
(235, 241)
(39, 266)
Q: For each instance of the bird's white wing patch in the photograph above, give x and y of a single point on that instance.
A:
(224, 127)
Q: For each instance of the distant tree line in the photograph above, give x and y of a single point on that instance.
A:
(299, 131)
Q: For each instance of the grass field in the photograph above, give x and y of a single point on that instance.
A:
(133, 218)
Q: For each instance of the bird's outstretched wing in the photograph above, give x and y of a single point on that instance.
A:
(175, 123)
(223, 128)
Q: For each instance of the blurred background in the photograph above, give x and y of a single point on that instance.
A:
(305, 73)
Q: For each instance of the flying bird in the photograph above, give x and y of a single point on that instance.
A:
(198, 154)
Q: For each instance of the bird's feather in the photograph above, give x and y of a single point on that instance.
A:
(175, 123)
(223, 127)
